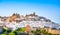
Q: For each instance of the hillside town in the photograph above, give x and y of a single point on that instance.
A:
(30, 22)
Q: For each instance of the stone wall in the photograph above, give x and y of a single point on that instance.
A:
(53, 31)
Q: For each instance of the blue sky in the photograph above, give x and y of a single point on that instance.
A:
(46, 8)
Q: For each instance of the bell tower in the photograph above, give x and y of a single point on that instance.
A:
(34, 13)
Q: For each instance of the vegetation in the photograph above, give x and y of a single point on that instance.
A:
(19, 30)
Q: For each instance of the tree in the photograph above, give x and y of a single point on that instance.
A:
(33, 31)
(23, 29)
(2, 34)
(11, 33)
